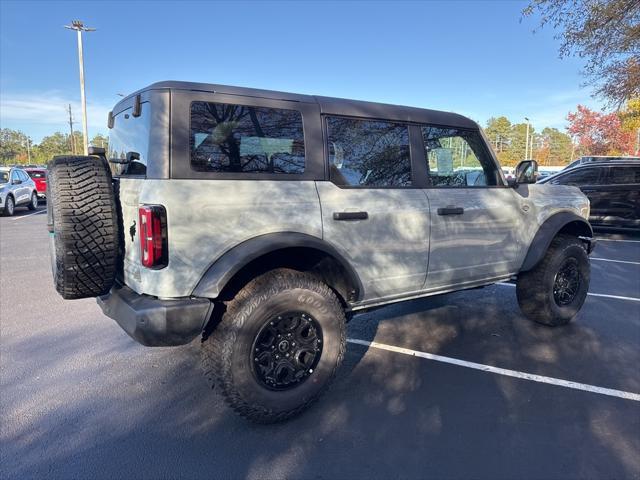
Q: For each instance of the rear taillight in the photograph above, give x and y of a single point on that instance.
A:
(153, 236)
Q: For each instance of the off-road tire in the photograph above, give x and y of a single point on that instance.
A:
(83, 226)
(228, 350)
(8, 211)
(535, 288)
(33, 204)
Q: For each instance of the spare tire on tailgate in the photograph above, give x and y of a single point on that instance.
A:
(83, 226)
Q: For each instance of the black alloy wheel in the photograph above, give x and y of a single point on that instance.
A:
(567, 282)
(286, 350)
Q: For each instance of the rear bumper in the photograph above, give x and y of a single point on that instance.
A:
(154, 322)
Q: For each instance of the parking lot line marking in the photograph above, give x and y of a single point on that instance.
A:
(501, 371)
(617, 297)
(600, 239)
(28, 215)
(615, 261)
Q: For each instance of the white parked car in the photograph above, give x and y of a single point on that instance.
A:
(16, 190)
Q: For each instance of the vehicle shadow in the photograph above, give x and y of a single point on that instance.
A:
(148, 413)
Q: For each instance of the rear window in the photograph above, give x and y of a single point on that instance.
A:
(130, 135)
(37, 174)
(245, 139)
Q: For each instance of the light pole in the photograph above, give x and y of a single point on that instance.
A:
(79, 27)
(526, 143)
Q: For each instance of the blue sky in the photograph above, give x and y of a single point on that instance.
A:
(472, 57)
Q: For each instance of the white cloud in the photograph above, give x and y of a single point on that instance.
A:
(49, 109)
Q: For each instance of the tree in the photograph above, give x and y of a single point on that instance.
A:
(13, 146)
(555, 147)
(101, 141)
(606, 33)
(56, 144)
(599, 133)
(630, 121)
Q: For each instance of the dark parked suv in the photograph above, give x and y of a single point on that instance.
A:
(613, 188)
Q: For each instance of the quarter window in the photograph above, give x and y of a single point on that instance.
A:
(244, 139)
(368, 153)
(457, 158)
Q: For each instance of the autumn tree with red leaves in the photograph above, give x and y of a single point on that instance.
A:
(599, 133)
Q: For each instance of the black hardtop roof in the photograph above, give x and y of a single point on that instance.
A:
(328, 105)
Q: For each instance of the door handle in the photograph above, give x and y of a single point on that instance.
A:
(451, 211)
(350, 215)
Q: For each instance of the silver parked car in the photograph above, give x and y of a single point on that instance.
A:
(261, 221)
(16, 190)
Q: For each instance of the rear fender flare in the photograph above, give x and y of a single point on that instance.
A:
(232, 261)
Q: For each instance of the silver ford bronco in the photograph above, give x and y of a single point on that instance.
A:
(260, 221)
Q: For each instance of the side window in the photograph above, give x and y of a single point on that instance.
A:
(457, 158)
(624, 175)
(582, 176)
(14, 176)
(368, 153)
(243, 139)
(23, 176)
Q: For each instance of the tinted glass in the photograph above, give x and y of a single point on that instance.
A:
(238, 138)
(582, 176)
(4, 176)
(36, 174)
(368, 153)
(457, 158)
(624, 175)
(130, 134)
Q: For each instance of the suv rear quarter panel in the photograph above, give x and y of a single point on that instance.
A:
(205, 218)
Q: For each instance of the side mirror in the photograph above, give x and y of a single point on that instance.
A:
(17, 181)
(526, 172)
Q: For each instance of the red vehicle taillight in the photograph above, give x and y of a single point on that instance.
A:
(153, 236)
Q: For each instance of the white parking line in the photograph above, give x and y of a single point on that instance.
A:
(501, 371)
(600, 239)
(28, 215)
(617, 297)
(614, 261)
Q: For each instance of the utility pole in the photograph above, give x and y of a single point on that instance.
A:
(526, 142)
(79, 27)
(531, 149)
(29, 150)
(71, 139)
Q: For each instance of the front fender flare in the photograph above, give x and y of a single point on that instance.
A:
(547, 232)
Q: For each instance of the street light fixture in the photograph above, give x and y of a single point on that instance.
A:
(79, 27)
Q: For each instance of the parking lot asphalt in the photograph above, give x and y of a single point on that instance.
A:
(80, 399)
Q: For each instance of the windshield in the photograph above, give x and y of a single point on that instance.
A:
(130, 135)
(4, 177)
